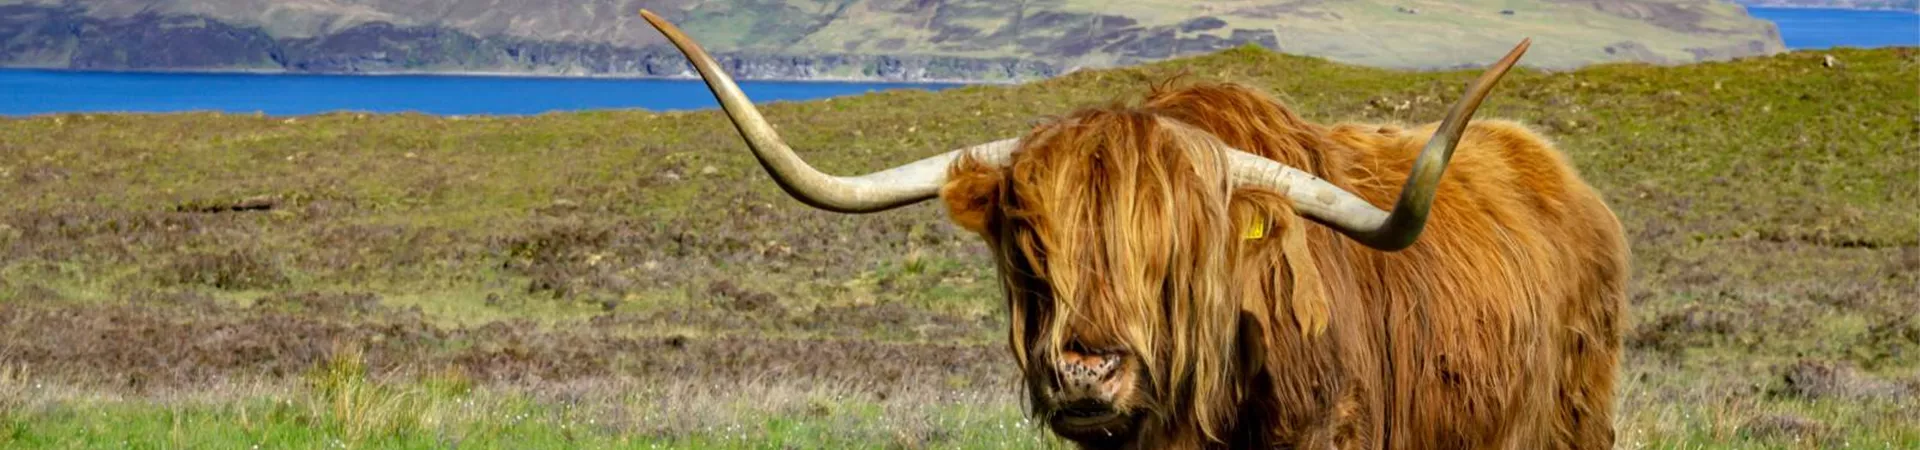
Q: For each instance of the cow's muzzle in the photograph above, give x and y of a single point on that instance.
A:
(1086, 402)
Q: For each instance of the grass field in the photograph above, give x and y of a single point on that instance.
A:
(631, 279)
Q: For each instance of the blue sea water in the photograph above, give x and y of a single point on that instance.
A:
(27, 92)
(1810, 28)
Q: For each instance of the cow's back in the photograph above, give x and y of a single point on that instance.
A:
(1501, 322)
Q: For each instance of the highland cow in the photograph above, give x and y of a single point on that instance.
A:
(1206, 269)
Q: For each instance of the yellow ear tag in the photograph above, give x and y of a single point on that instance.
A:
(1256, 227)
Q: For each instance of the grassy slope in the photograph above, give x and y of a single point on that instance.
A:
(562, 263)
(1444, 33)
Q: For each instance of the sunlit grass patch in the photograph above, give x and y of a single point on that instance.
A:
(1740, 423)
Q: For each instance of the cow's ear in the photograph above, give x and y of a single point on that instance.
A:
(1268, 222)
(971, 193)
(1310, 309)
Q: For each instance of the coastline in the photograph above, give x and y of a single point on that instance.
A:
(1750, 7)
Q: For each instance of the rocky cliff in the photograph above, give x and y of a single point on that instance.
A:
(849, 39)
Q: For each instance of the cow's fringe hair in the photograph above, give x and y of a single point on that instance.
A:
(1135, 193)
(1168, 298)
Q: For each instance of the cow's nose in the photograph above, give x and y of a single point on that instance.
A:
(1084, 370)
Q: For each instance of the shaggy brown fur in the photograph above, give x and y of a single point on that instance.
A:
(1117, 228)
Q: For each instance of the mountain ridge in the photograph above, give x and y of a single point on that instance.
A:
(895, 40)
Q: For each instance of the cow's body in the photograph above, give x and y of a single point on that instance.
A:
(1499, 329)
(1503, 321)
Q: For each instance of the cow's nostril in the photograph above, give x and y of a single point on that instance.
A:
(1087, 367)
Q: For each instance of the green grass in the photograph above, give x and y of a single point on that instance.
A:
(637, 273)
(337, 405)
(267, 423)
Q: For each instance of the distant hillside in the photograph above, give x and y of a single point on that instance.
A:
(853, 39)
(1899, 5)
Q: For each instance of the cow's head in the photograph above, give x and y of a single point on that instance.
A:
(1117, 231)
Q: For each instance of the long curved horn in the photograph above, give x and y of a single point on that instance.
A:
(887, 189)
(921, 180)
(1352, 215)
